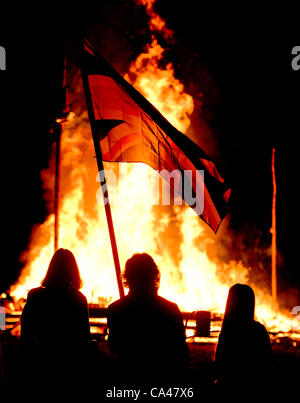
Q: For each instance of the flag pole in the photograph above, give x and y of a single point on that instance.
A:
(57, 129)
(103, 185)
(273, 231)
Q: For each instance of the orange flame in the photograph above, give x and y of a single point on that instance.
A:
(188, 276)
(156, 23)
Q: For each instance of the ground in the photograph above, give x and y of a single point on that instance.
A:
(285, 375)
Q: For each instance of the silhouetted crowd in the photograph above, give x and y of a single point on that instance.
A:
(146, 332)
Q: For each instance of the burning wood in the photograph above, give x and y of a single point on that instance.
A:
(191, 270)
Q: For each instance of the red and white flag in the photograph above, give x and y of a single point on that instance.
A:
(130, 129)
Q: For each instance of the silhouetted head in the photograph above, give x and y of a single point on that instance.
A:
(63, 271)
(239, 306)
(141, 274)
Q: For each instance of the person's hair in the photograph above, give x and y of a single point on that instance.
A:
(141, 273)
(240, 306)
(63, 271)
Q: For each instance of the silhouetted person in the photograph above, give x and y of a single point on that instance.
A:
(55, 329)
(244, 353)
(145, 330)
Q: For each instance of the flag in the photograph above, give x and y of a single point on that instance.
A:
(130, 129)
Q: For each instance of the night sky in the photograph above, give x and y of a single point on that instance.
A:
(238, 57)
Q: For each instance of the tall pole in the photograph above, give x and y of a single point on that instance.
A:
(103, 185)
(109, 219)
(62, 115)
(273, 231)
(57, 132)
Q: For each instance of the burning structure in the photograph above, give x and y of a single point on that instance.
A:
(193, 276)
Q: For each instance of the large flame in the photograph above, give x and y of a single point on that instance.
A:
(170, 234)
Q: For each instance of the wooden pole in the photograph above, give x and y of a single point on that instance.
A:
(273, 231)
(103, 185)
(109, 216)
(63, 113)
(58, 130)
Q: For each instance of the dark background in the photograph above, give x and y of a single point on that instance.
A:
(252, 104)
